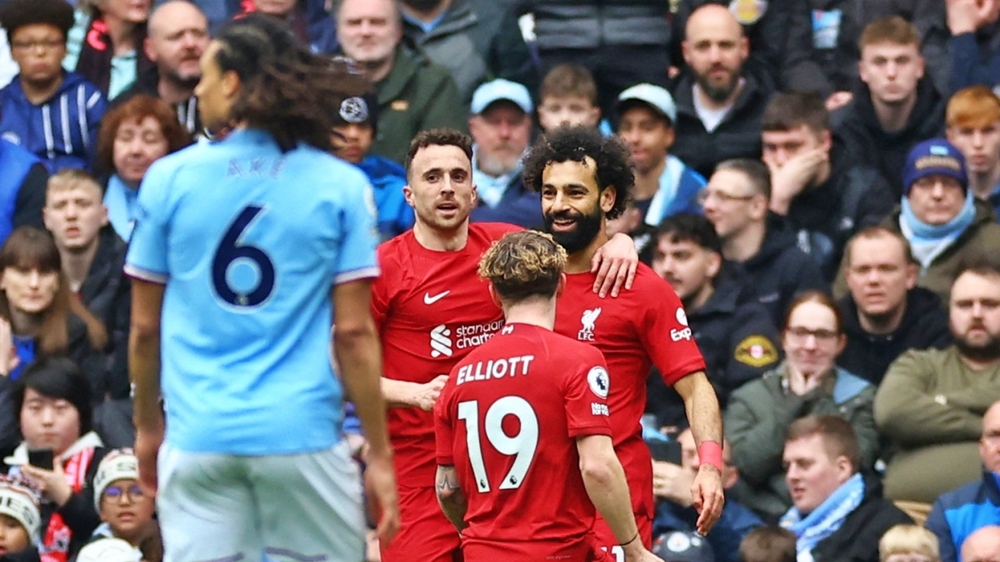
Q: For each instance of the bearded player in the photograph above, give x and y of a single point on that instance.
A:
(523, 440)
(584, 180)
(431, 309)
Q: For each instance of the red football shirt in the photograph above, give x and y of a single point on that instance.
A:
(508, 420)
(642, 327)
(431, 309)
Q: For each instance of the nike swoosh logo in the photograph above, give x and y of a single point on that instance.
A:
(428, 299)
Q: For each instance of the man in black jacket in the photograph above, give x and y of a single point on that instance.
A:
(896, 106)
(719, 99)
(838, 514)
(815, 184)
(766, 253)
(92, 260)
(736, 335)
(885, 313)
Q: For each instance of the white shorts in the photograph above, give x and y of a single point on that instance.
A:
(227, 508)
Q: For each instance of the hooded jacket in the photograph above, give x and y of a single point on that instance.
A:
(61, 131)
(924, 325)
(416, 95)
(873, 146)
(780, 270)
(737, 136)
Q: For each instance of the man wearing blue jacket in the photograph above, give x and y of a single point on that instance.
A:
(51, 113)
(959, 513)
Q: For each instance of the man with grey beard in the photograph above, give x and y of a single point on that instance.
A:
(931, 403)
(719, 100)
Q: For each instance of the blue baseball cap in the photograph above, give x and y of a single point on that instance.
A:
(501, 90)
(934, 156)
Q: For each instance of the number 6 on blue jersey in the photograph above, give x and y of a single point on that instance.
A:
(229, 251)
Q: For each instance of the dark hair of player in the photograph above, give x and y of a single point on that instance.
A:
(286, 90)
(522, 265)
(610, 154)
(438, 137)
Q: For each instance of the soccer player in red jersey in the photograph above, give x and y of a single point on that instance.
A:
(431, 309)
(584, 179)
(523, 436)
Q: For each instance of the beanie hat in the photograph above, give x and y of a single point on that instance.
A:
(120, 464)
(680, 546)
(20, 501)
(934, 156)
(109, 550)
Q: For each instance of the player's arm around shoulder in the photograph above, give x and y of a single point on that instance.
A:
(604, 479)
(357, 351)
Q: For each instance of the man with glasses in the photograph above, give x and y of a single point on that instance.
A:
(931, 403)
(766, 251)
(959, 513)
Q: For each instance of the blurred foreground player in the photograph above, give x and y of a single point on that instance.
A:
(585, 180)
(243, 250)
(522, 427)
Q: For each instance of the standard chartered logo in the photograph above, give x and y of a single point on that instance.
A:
(440, 342)
(465, 336)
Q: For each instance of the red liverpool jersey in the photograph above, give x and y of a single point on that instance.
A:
(644, 326)
(431, 309)
(508, 420)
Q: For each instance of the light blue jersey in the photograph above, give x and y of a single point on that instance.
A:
(250, 242)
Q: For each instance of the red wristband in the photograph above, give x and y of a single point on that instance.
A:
(710, 452)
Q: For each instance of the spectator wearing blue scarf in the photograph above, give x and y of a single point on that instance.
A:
(838, 514)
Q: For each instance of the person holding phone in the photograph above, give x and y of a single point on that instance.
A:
(672, 480)
(55, 418)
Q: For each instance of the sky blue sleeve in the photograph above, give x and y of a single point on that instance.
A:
(356, 257)
(147, 252)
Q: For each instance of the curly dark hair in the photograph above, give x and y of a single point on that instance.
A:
(19, 13)
(286, 90)
(611, 155)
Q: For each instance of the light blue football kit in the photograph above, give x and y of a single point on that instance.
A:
(250, 242)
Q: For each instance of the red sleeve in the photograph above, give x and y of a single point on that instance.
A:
(381, 289)
(585, 392)
(443, 431)
(667, 336)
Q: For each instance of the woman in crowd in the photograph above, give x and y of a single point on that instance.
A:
(39, 317)
(106, 43)
(133, 136)
(59, 454)
(807, 383)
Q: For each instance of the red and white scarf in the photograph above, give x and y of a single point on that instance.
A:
(55, 544)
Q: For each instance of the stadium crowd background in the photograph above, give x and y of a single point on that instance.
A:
(818, 180)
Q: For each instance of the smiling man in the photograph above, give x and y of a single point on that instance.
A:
(585, 180)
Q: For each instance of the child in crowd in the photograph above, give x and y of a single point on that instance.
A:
(126, 512)
(769, 543)
(50, 112)
(568, 97)
(908, 543)
(19, 520)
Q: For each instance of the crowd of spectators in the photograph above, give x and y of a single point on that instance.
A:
(819, 182)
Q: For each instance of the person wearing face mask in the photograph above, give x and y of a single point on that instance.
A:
(807, 383)
(133, 136)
